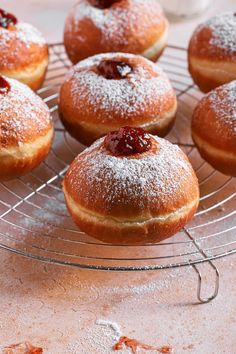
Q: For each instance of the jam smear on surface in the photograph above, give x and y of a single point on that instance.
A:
(134, 345)
(104, 4)
(114, 69)
(4, 86)
(7, 19)
(127, 141)
(26, 348)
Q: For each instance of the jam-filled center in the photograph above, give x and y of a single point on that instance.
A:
(4, 86)
(127, 141)
(103, 4)
(7, 20)
(114, 69)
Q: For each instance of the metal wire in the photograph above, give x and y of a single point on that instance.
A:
(35, 223)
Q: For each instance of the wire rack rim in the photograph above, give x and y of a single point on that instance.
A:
(119, 269)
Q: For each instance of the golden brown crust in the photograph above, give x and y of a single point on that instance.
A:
(90, 105)
(12, 167)
(139, 233)
(127, 26)
(151, 194)
(225, 163)
(214, 128)
(208, 75)
(213, 46)
(23, 50)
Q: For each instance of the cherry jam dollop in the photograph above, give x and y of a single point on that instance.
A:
(127, 141)
(114, 69)
(4, 86)
(7, 20)
(103, 4)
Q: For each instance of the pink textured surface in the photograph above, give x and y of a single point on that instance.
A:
(56, 307)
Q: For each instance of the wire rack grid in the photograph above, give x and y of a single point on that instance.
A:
(34, 221)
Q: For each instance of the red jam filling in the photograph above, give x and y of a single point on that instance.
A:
(127, 141)
(104, 4)
(114, 69)
(4, 86)
(7, 19)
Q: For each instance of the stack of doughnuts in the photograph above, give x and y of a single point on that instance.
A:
(131, 26)
(24, 52)
(212, 52)
(108, 91)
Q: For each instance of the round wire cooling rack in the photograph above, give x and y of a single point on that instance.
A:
(34, 221)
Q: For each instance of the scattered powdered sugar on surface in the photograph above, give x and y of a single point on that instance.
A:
(136, 95)
(24, 32)
(20, 110)
(100, 338)
(151, 179)
(102, 335)
(114, 326)
(150, 287)
(114, 22)
(223, 102)
(223, 31)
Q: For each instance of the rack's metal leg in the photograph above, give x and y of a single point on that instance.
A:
(199, 288)
(217, 275)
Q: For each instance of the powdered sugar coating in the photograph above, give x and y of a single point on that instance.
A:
(214, 120)
(147, 89)
(21, 46)
(223, 31)
(161, 179)
(23, 115)
(112, 325)
(223, 103)
(130, 26)
(221, 37)
(24, 33)
(113, 22)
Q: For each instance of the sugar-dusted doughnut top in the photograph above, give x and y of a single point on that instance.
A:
(23, 115)
(130, 88)
(99, 26)
(214, 118)
(21, 44)
(156, 182)
(215, 38)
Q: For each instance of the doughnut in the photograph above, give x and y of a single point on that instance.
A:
(212, 52)
(131, 187)
(101, 26)
(24, 52)
(26, 129)
(108, 91)
(214, 128)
